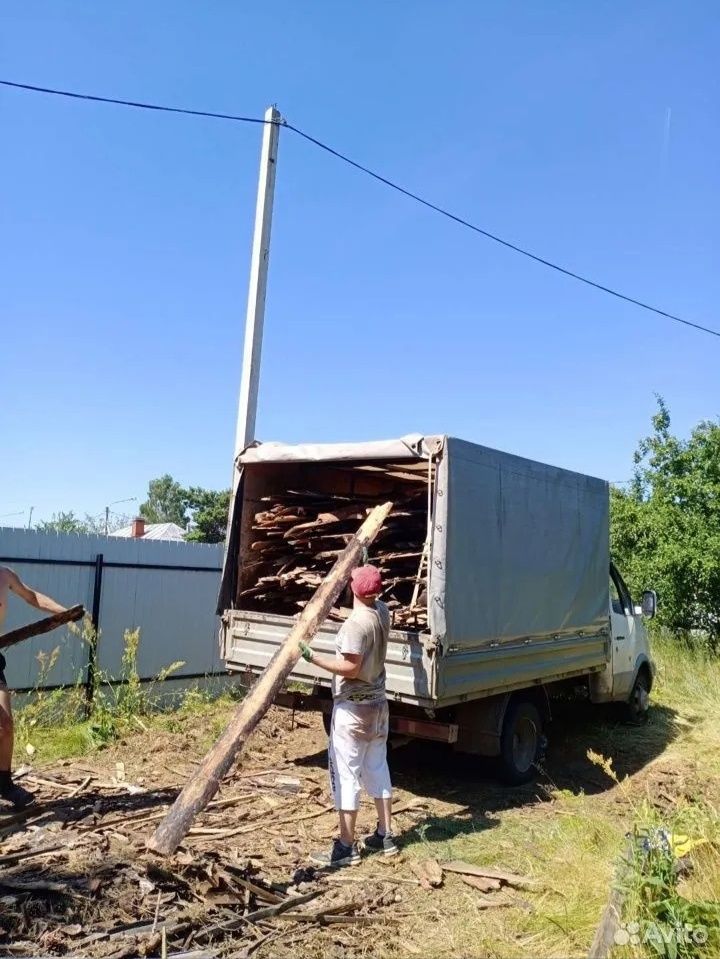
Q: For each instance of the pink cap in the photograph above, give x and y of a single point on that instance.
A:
(366, 581)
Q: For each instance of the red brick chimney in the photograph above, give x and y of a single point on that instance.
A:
(138, 527)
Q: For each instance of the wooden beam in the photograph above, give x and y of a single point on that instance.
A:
(42, 626)
(205, 782)
(611, 918)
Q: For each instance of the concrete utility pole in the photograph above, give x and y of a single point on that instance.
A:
(247, 407)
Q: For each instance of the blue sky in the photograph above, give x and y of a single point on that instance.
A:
(586, 132)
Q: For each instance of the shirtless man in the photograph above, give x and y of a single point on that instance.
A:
(11, 582)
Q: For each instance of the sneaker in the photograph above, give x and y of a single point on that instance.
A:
(339, 855)
(17, 795)
(384, 844)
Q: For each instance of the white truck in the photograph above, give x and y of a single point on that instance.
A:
(513, 599)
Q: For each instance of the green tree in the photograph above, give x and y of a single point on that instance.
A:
(63, 523)
(201, 511)
(665, 529)
(166, 502)
(116, 521)
(209, 510)
(70, 523)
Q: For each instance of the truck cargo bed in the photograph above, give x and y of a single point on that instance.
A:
(416, 674)
(496, 567)
(251, 639)
(297, 518)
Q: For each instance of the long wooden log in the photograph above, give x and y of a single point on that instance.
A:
(200, 789)
(42, 626)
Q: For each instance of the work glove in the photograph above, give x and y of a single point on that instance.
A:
(305, 652)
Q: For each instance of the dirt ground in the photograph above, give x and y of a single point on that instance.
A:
(76, 879)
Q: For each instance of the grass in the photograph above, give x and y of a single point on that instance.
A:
(674, 916)
(63, 723)
(571, 842)
(567, 845)
(666, 903)
(74, 737)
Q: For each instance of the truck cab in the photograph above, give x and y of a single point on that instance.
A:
(630, 671)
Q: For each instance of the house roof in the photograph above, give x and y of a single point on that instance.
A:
(167, 531)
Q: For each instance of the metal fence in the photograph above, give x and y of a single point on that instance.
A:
(169, 590)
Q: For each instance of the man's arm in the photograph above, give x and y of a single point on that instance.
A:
(342, 664)
(32, 597)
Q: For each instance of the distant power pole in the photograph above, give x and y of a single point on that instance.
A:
(247, 406)
(130, 499)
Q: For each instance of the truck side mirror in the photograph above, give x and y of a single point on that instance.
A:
(649, 603)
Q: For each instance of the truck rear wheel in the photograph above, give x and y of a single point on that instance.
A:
(521, 742)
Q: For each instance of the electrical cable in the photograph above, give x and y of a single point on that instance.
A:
(131, 103)
(498, 239)
(381, 179)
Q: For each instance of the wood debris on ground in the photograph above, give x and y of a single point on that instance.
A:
(76, 878)
(428, 872)
(297, 535)
(484, 872)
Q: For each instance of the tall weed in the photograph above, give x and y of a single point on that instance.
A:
(109, 705)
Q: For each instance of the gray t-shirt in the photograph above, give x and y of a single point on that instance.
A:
(364, 632)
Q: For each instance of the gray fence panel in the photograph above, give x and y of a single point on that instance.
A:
(175, 614)
(67, 584)
(174, 608)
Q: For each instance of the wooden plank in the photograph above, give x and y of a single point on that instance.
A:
(507, 878)
(604, 938)
(270, 912)
(42, 626)
(481, 883)
(317, 540)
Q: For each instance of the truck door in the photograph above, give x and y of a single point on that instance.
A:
(622, 622)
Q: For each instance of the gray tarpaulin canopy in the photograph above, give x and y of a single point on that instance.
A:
(519, 549)
(413, 445)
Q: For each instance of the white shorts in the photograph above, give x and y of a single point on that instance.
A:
(357, 753)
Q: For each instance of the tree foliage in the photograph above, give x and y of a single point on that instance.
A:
(115, 521)
(203, 513)
(166, 502)
(665, 531)
(63, 523)
(209, 512)
(70, 523)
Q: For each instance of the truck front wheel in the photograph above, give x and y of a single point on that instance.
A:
(638, 705)
(521, 742)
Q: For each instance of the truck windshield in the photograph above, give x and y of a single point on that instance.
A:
(619, 593)
(615, 600)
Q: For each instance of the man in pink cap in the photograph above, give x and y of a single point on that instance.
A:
(357, 751)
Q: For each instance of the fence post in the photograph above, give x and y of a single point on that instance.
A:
(92, 652)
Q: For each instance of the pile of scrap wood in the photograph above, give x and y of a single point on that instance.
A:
(298, 535)
(76, 878)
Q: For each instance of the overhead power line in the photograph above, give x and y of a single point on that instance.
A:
(131, 103)
(499, 239)
(381, 179)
